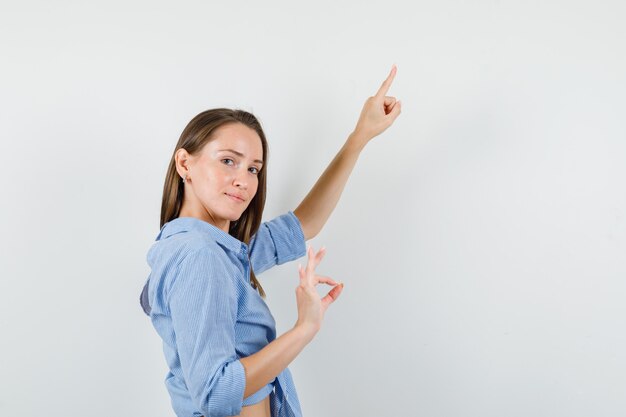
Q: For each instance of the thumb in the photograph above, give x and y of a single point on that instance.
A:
(332, 296)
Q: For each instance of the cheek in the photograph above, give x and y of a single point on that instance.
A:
(212, 182)
(219, 176)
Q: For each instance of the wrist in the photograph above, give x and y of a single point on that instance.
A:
(356, 141)
(305, 331)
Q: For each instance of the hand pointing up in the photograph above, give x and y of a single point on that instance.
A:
(378, 113)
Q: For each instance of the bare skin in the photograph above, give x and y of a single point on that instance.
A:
(378, 113)
(260, 409)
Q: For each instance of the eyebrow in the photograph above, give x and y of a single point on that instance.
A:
(239, 154)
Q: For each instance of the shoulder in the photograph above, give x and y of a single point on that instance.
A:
(183, 245)
(186, 257)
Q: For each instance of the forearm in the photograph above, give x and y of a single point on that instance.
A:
(265, 365)
(319, 203)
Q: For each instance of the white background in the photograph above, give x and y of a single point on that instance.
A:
(481, 238)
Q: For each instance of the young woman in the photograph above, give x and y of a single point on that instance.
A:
(202, 294)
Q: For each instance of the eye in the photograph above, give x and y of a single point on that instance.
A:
(228, 161)
(254, 170)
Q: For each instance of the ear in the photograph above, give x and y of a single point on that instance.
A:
(183, 159)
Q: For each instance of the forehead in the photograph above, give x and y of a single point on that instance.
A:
(237, 137)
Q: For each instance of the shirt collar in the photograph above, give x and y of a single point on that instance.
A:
(187, 224)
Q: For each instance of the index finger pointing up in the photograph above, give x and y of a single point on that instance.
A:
(382, 91)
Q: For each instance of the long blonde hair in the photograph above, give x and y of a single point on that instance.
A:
(198, 132)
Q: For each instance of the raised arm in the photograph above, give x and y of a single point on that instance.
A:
(378, 113)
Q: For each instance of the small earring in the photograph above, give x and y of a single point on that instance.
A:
(185, 179)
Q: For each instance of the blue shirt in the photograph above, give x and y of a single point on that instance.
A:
(201, 303)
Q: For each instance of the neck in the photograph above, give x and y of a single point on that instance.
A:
(204, 215)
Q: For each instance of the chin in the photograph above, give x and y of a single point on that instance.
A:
(233, 217)
(233, 214)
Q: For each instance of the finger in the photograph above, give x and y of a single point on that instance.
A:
(308, 273)
(314, 258)
(320, 255)
(325, 280)
(305, 276)
(389, 109)
(395, 111)
(309, 263)
(382, 91)
(332, 295)
(301, 273)
(389, 101)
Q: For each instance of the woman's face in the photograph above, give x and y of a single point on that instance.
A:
(222, 178)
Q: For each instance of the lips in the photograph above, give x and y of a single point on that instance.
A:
(236, 197)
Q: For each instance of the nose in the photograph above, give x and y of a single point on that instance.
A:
(241, 179)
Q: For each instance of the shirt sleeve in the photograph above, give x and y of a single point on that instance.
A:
(277, 241)
(203, 307)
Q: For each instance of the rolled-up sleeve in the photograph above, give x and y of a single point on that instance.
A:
(277, 241)
(203, 308)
